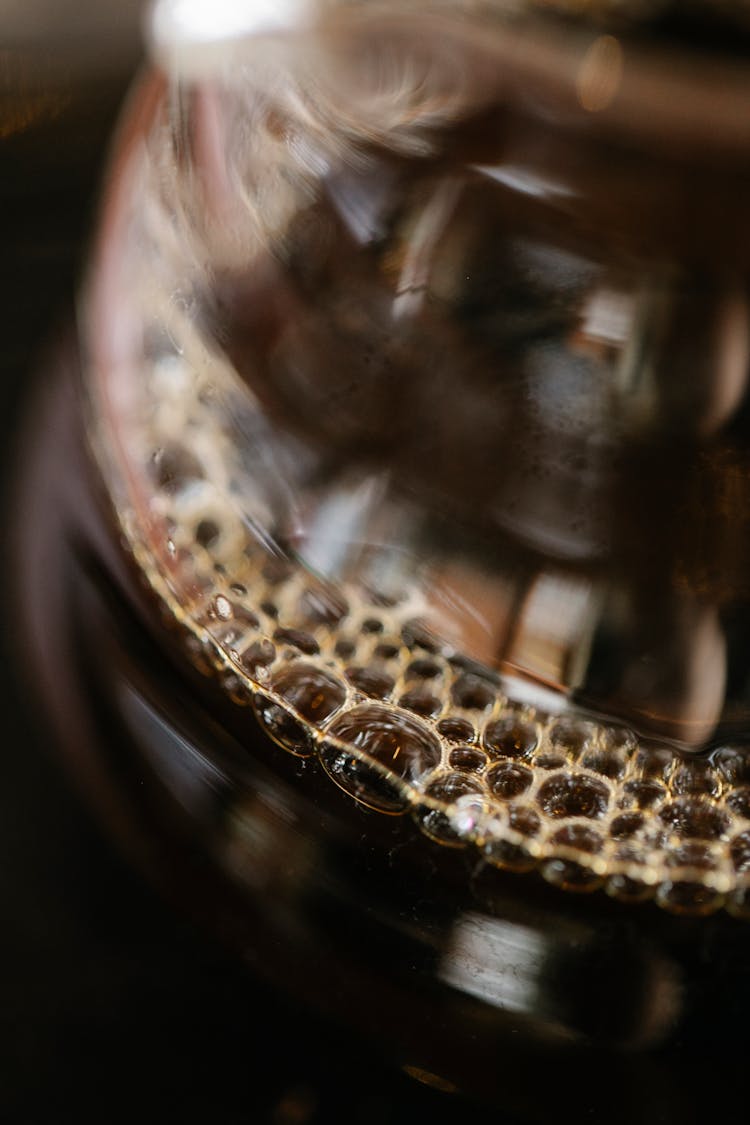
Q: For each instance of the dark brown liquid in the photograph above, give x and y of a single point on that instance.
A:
(355, 912)
(403, 469)
(543, 362)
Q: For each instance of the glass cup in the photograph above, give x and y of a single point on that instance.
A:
(415, 352)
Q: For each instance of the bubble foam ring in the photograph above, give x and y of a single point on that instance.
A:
(328, 672)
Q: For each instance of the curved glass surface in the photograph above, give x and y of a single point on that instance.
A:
(418, 345)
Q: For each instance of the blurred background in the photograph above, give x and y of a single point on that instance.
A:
(112, 1008)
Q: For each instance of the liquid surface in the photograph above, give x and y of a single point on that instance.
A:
(416, 502)
(401, 726)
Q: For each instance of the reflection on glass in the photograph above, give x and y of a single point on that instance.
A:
(422, 401)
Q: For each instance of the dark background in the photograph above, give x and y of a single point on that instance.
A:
(112, 1007)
